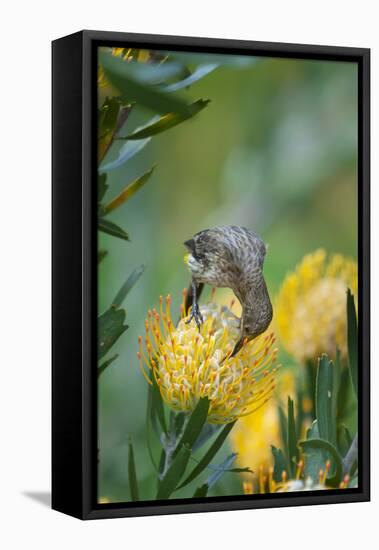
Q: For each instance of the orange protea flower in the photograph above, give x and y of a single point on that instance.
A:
(189, 364)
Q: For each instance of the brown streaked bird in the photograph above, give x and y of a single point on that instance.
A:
(232, 257)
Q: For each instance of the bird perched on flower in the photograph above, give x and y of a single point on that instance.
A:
(188, 364)
(231, 256)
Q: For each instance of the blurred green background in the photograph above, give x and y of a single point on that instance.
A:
(275, 151)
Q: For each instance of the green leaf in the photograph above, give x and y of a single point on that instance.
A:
(110, 327)
(326, 400)
(245, 470)
(179, 423)
(293, 452)
(106, 364)
(317, 459)
(154, 73)
(310, 445)
(149, 424)
(107, 123)
(127, 192)
(210, 454)
(101, 255)
(345, 392)
(310, 384)
(300, 412)
(102, 186)
(133, 484)
(132, 88)
(239, 61)
(344, 439)
(127, 286)
(280, 463)
(200, 72)
(166, 122)
(157, 404)
(195, 424)
(283, 430)
(352, 339)
(174, 473)
(111, 229)
(221, 469)
(127, 152)
(201, 491)
(207, 431)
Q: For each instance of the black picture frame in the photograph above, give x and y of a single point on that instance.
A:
(74, 386)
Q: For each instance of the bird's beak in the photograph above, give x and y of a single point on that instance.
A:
(190, 245)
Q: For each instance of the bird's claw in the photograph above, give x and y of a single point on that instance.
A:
(196, 314)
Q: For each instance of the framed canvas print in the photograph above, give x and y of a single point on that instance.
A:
(210, 275)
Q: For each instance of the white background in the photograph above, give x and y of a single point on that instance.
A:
(27, 29)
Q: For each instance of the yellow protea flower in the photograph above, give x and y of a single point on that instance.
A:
(189, 363)
(267, 484)
(311, 305)
(253, 435)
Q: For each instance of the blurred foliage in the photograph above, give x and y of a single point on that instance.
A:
(131, 76)
(275, 150)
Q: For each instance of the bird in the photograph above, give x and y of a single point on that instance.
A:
(230, 257)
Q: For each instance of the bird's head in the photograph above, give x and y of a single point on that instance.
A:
(256, 318)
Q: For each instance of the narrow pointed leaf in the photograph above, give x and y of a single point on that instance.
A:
(210, 454)
(325, 397)
(127, 192)
(106, 364)
(280, 463)
(127, 286)
(112, 229)
(195, 424)
(107, 123)
(316, 459)
(310, 384)
(200, 72)
(208, 431)
(344, 439)
(283, 430)
(166, 122)
(132, 88)
(157, 404)
(127, 152)
(352, 340)
(310, 445)
(201, 491)
(102, 186)
(110, 327)
(101, 255)
(300, 412)
(221, 469)
(293, 452)
(174, 474)
(179, 423)
(239, 61)
(132, 474)
(149, 425)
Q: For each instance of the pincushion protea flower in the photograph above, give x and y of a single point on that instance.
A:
(265, 482)
(188, 363)
(253, 435)
(311, 305)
